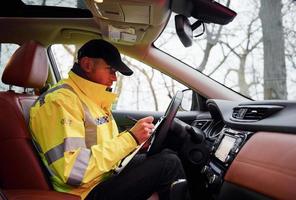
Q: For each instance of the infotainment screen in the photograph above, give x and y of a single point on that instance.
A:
(225, 147)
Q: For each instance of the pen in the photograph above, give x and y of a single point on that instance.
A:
(132, 119)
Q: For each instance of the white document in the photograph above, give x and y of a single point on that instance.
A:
(128, 158)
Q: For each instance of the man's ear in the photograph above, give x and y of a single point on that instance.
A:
(86, 64)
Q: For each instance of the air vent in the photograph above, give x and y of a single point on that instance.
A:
(254, 112)
(201, 124)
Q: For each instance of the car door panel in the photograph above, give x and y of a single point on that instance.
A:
(123, 122)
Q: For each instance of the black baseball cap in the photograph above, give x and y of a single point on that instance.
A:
(99, 48)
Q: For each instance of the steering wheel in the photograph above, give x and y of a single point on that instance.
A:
(164, 123)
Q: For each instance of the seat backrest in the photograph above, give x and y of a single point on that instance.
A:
(20, 166)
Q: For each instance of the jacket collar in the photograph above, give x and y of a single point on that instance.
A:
(94, 91)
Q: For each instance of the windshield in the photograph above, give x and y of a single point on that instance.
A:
(254, 60)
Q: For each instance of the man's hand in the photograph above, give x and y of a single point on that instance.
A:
(143, 129)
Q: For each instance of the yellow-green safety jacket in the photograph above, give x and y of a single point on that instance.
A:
(77, 136)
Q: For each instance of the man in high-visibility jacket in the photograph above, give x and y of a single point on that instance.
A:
(78, 139)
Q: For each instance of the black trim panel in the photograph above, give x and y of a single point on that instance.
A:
(281, 121)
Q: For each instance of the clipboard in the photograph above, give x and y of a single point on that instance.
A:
(124, 162)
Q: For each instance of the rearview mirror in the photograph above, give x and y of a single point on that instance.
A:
(184, 30)
(204, 11)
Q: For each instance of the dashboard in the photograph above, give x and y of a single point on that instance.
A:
(252, 149)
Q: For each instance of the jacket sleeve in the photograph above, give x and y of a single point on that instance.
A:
(58, 127)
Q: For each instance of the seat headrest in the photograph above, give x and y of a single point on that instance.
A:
(27, 67)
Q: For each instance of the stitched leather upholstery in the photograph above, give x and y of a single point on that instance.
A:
(27, 67)
(21, 173)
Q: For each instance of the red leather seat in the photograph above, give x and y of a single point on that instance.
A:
(21, 173)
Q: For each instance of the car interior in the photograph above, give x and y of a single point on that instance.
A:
(231, 146)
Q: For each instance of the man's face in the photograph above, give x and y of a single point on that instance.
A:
(100, 72)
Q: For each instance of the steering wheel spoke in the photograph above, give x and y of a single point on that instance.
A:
(164, 124)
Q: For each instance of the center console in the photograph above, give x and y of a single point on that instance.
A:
(224, 149)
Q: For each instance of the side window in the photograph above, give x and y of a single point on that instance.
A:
(146, 90)
(64, 56)
(6, 51)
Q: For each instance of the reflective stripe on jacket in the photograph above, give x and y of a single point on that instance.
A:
(73, 125)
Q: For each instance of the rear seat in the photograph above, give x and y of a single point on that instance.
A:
(21, 173)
